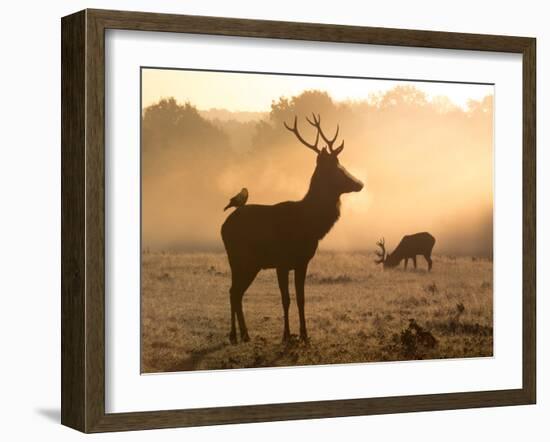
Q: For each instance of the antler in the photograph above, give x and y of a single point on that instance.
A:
(381, 255)
(304, 142)
(317, 123)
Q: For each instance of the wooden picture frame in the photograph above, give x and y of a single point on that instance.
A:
(83, 220)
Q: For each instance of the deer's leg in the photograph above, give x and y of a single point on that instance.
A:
(233, 332)
(282, 278)
(241, 281)
(299, 282)
(429, 260)
(414, 261)
(406, 262)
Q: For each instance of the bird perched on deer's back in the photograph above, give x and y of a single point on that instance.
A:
(238, 200)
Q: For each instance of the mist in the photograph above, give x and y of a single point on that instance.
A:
(427, 165)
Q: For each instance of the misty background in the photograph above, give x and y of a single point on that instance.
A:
(427, 165)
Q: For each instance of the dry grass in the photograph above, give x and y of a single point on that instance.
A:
(355, 313)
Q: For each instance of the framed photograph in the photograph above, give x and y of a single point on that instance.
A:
(270, 220)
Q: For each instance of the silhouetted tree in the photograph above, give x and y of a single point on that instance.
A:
(168, 124)
(173, 132)
(269, 133)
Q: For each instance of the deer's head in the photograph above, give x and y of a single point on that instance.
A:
(386, 259)
(330, 177)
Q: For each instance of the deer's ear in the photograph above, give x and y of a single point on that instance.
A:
(323, 155)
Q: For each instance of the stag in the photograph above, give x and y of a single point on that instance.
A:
(285, 236)
(410, 246)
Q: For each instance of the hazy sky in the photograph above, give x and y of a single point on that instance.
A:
(424, 169)
(208, 90)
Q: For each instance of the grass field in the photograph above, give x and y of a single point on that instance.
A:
(355, 312)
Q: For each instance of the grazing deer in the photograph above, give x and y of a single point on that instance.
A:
(285, 236)
(409, 247)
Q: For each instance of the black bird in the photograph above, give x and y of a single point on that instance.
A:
(238, 200)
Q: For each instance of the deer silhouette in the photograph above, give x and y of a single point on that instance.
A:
(285, 236)
(410, 246)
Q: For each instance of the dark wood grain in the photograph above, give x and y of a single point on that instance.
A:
(73, 128)
(308, 410)
(95, 222)
(145, 21)
(529, 220)
(83, 220)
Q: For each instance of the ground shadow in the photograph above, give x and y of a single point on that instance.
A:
(51, 414)
(193, 361)
(288, 350)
